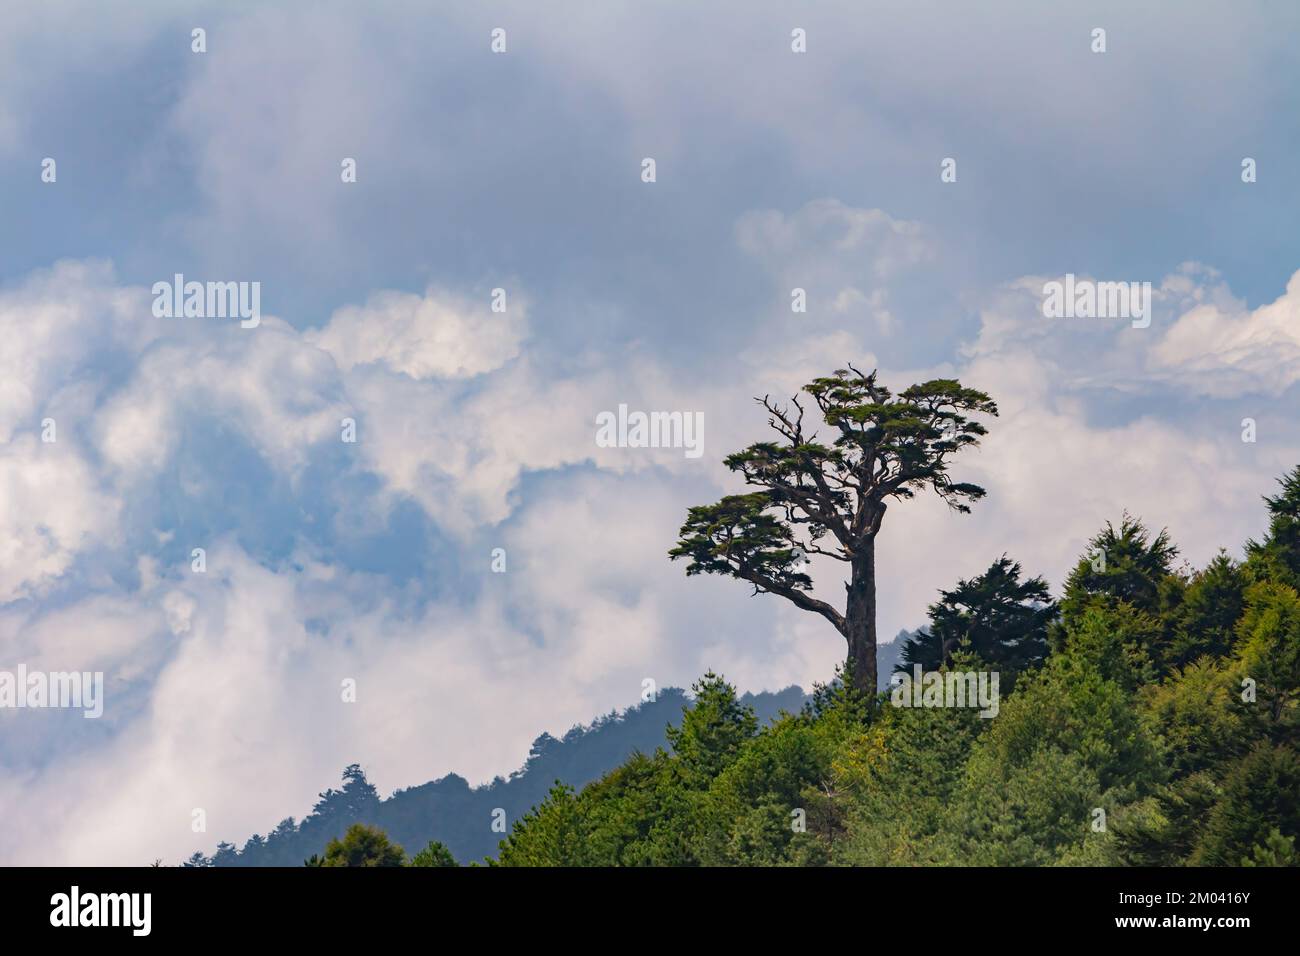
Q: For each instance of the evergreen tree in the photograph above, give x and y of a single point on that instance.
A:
(548, 835)
(359, 796)
(712, 731)
(1268, 652)
(252, 850)
(362, 846)
(1207, 617)
(1127, 567)
(830, 499)
(1277, 557)
(1259, 798)
(226, 855)
(996, 616)
(435, 854)
(1276, 850)
(1125, 564)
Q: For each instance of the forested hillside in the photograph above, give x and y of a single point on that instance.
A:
(459, 816)
(1148, 717)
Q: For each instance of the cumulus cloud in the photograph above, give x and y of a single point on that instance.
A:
(436, 335)
(275, 390)
(61, 324)
(1222, 350)
(51, 508)
(1203, 340)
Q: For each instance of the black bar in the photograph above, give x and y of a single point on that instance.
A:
(309, 904)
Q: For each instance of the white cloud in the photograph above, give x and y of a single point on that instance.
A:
(1213, 349)
(277, 391)
(437, 335)
(51, 508)
(59, 322)
(1202, 340)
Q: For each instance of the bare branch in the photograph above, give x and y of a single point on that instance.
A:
(798, 598)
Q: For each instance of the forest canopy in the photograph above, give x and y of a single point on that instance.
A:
(1153, 721)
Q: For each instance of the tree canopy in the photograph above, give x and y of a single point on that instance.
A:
(828, 496)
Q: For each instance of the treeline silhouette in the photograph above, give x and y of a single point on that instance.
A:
(451, 812)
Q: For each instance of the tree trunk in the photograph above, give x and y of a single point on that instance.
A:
(860, 619)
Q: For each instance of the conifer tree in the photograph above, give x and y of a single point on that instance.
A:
(829, 496)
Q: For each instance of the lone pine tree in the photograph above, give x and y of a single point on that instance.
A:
(885, 446)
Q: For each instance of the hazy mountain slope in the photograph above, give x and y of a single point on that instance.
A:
(461, 816)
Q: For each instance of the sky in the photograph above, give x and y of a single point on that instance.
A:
(371, 561)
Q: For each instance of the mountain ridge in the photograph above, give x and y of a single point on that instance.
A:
(460, 816)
